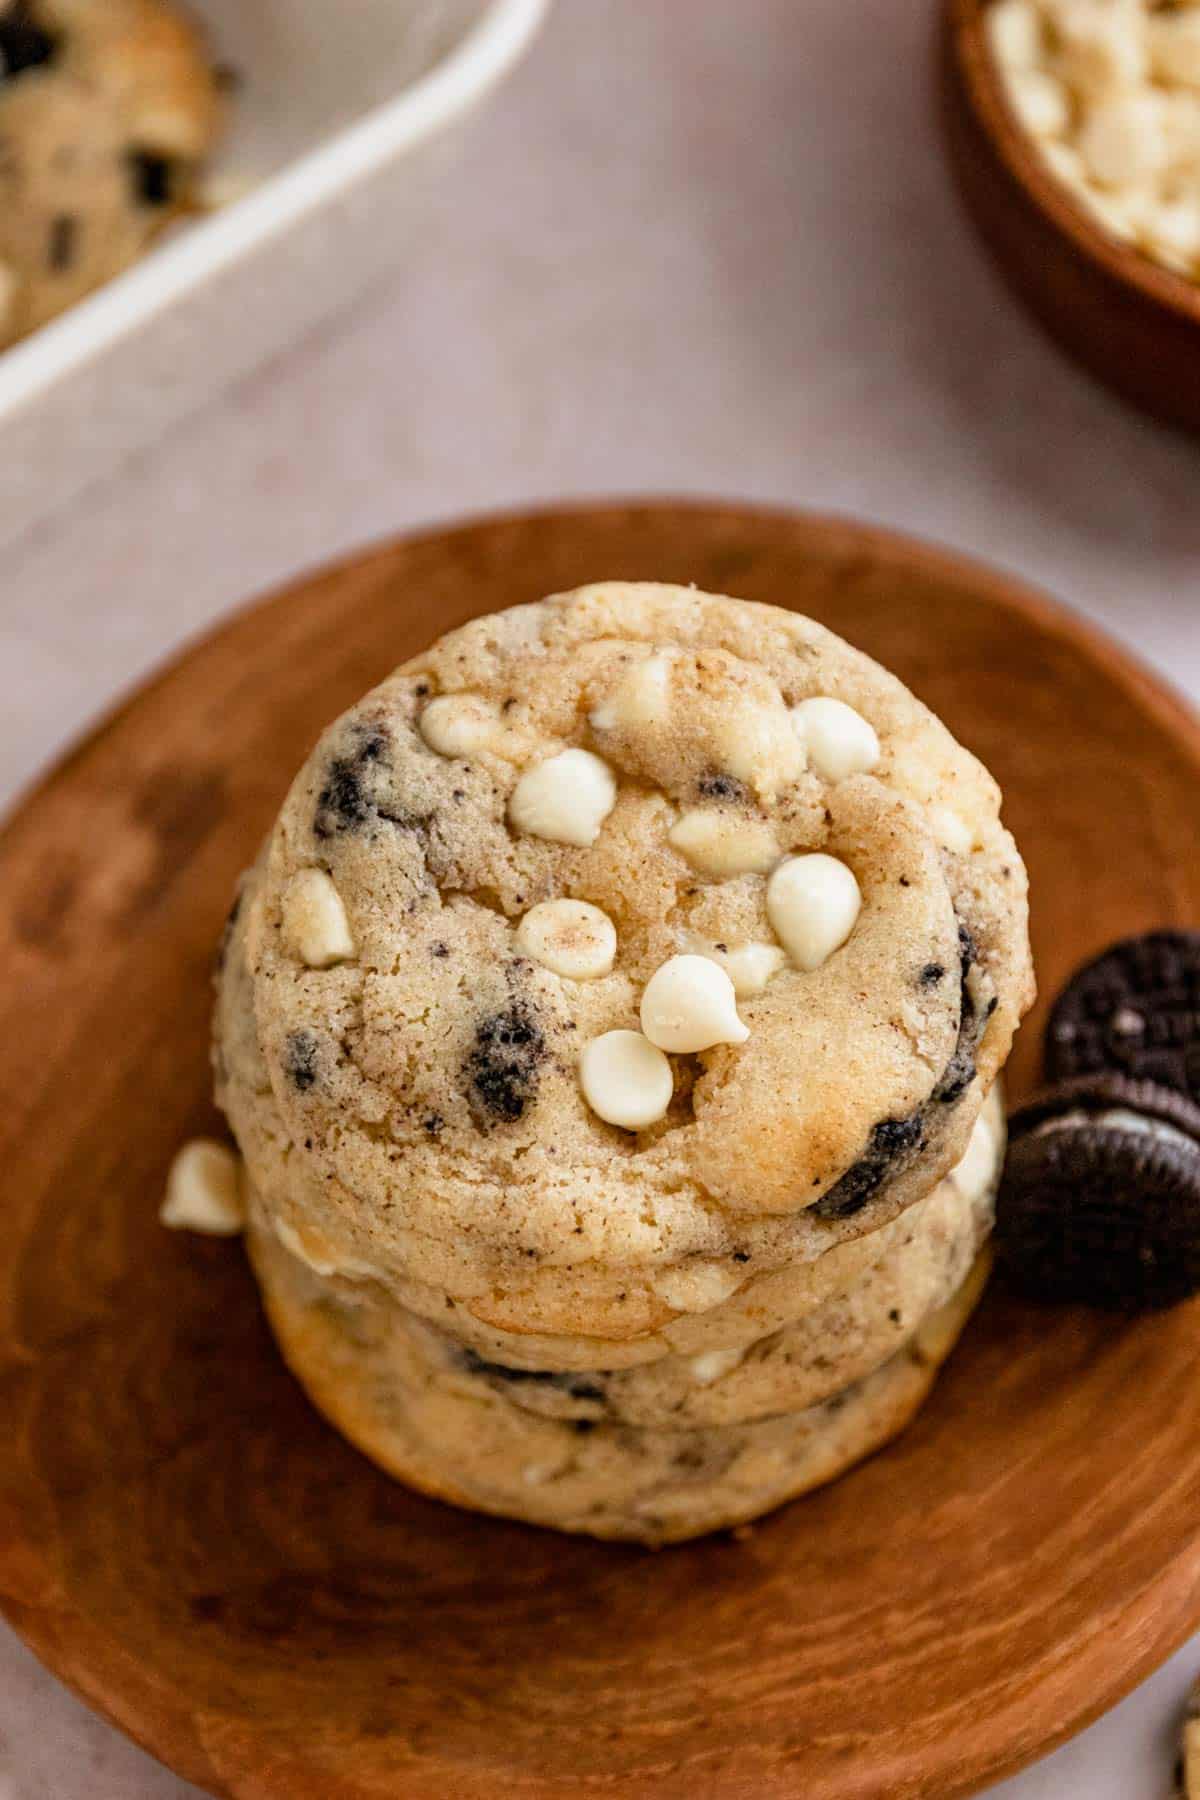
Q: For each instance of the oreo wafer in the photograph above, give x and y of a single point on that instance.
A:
(1100, 1201)
(1134, 1011)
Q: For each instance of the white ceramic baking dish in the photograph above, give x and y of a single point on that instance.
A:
(340, 116)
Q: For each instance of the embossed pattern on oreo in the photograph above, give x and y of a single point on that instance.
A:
(1136, 1010)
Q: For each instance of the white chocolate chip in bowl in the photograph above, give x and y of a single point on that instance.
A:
(571, 938)
(750, 967)
(314, 920)
(625, 1080)
(840, 742)
(722, 844)
(1123, 141)
(813, 903)
(1014, 30)
(565, 799)
(1040, 102)
(689, 1005)
(204, 1191)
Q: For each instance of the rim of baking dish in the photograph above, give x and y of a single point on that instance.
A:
(465, 74)
(1019, 152)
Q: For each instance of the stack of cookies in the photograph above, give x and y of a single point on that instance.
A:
(610, 1029)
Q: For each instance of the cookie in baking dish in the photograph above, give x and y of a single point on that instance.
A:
(108, 110)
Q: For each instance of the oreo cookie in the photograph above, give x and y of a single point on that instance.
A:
(1100, 1200)
(1134, 1011)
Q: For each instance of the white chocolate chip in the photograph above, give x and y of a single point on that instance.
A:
(951, 830)
(840, 741)
(1101, 46)
(1172, 233)
(1039, 101)
(1121, 214)
(465, 724)
(1124, 141)
(696, 1286)
(972, 1175)
(750, 967)
(1015, 33)
(1065, 162)
(314, 920)
(565, 799)
(813, 903)
(571, 938)
(641, 698)
(204, 1191)
(713, 1365)
(723, 844)
(689, 1005)
(756, 745)
(625, 1080)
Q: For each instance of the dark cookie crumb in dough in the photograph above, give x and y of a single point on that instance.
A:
(504, 1065)
(721, 787)
(155, 178)
(300, 1060)
(578, 1387)
(23, 43)
(345, 803)
(62, 243)
(892, 1141)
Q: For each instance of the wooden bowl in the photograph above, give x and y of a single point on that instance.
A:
(1132, 323)
(188, 1545)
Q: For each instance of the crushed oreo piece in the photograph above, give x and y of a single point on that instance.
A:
(155, 178)
(959, 1072)
(62, 242)
(892, 1143)
(931, 974)
(1134, 1010)
(346, 803)
(23, 44)
(1100, 1200)
(300, 1059)
(504, 1065)
(721, 787)
(577, 1387)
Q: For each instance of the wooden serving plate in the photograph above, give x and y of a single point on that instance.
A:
(199, 1556)
(1132, 323)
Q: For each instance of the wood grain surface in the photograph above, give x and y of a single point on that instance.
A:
(1132, 323)
(190, 1547)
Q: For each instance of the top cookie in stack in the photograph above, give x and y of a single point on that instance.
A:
(617, 959)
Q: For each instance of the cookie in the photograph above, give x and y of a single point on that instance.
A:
(479, 1449)
(1135, 1011)
(108, 110)
(793, 1368)
(407, 1052)
(1100, 1200)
